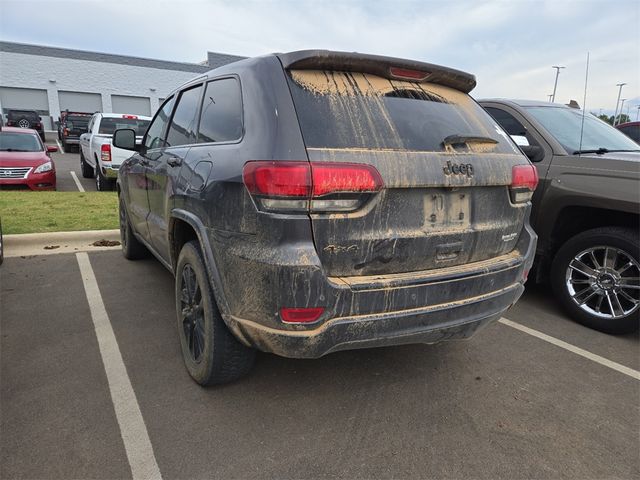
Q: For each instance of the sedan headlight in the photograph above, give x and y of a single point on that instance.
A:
(45, 167)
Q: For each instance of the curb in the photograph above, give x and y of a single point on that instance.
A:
(28, 244)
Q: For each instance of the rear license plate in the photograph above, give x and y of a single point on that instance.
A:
(445, 210)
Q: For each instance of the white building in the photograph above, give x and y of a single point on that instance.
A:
(51, 80)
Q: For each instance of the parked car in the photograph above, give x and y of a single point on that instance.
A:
(25, 160)
(26, 119)
(71, 126)
(318, 201)
(98, 157)
(631, 130)
(585, 210)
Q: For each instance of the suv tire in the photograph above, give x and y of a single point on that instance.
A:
(601, 281)
(211, 354)
(87, 170)
(132, 249)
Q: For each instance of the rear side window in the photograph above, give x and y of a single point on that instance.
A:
(221, 118)
(184, 123)
(356, 110)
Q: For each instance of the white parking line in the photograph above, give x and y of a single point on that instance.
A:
(572, 348)
(60, 146)
(132, 428)
(75, 179)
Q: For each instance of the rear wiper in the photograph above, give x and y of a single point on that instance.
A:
(459, 139)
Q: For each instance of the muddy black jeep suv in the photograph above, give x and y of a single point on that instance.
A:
(317, 201)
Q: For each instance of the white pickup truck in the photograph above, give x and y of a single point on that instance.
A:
(97, 156)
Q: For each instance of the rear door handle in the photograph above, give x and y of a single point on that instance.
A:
(174, 162)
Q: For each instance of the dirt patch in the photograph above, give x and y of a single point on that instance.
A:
(105, 243)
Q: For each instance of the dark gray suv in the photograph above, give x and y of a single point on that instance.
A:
(318, 201)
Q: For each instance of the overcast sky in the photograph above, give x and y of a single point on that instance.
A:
(509, 45)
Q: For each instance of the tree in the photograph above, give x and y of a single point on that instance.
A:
(606, 118)
(622, 118)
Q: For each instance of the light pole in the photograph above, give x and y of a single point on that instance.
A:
(620, 114)
(555, 85)
(618, 101)
(550, 96)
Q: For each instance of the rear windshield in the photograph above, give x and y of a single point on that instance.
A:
(110, 125)
(22, 113)
(355, 110)
(19, 142)
(77, 121)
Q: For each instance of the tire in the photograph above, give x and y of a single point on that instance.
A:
(103, 184)
(211, 354)
(132, 249)
(600, 291)
(87, 170)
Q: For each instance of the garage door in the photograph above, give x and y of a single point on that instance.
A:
(26, 99)
(80, 101)
(134, 105)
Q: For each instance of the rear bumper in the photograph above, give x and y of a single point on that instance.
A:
(71, 140)
(110, 172)
(431, 324)
(417, 307)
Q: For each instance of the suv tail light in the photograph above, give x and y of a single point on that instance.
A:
(524, 180)
(36, 125)
(316, 187)
(105, 153)
(65, 132)
(9, 123)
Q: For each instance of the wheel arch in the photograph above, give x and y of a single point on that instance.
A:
(184, 226)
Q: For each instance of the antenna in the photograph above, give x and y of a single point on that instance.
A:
(584, 102)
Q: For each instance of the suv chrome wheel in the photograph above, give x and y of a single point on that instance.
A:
(605, 282)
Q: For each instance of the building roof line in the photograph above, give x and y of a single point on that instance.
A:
(213, 59)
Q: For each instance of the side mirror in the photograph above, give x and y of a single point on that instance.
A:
(534, 152)
(51, 149)
(124, 138)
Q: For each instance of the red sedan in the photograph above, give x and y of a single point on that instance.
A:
(25, 160)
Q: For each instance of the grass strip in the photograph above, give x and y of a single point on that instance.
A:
(39, 212)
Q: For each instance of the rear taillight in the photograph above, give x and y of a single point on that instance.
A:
(65, 132)
(9, 123)
(303, 186)
(301, 315)
(105, 153)
(37, 125)
(524, 180)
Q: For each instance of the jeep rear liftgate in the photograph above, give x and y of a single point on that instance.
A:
(437, 196)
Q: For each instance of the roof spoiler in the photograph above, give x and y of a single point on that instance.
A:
(386, 67)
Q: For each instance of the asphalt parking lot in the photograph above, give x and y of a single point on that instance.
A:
(67, 162)
(504, 405)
